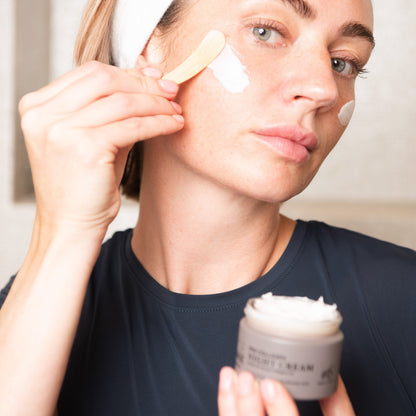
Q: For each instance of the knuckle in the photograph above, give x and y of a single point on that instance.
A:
(24, 103)
(54, 132)
(30, 121)
(134, 123)
(92, 66)
(123, 101)
(159, 105)
(145, 83)
(158, 101)
(63, 141)
(104, 75)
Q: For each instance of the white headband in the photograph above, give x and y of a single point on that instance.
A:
(133, 23)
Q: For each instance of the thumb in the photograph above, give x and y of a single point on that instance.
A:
(277, 400)
(339, 403)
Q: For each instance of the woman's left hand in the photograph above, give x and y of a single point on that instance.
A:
(242, 395)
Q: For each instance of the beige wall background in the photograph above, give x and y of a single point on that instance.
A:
(367, 184)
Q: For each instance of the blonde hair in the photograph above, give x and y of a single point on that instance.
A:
(93, 40)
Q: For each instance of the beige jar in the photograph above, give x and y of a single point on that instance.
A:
(295, 340)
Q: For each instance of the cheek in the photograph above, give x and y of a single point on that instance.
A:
(208, 122)
(346, 113)
(230, 72)
(330, 131)
(211, 107)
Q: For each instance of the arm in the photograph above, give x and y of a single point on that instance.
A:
(78, 132)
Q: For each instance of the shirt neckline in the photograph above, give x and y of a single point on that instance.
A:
(218, 301)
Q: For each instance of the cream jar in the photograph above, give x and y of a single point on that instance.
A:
(295, 340)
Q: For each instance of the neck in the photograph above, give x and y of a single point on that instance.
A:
(197, 237)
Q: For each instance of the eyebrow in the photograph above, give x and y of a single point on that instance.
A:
(351, 29)
(354, 29)
(302, 8)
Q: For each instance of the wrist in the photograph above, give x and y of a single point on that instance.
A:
(66, 232)
(72, 246)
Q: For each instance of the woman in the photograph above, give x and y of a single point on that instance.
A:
(144, 324)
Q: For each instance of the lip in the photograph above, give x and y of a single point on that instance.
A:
(291, 141)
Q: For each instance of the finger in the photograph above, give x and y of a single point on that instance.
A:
(55, 87)
(277, 399)
(141, 62)
(144, 68)
(121, 106)
(339, 403)
(227, 403)
(249, 402)
(125, 133)
(103, 83)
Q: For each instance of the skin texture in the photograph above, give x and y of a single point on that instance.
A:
(78, 131)
(212, 188)
(216, 170)
(292, 84)
(221, 164)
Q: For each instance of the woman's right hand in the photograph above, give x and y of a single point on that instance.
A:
(78, 132)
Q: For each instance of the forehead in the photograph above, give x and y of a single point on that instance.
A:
(361, 10)
(350, 18)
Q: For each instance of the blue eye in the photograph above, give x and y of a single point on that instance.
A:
(342, 66)
(266, 34)
(262, 33)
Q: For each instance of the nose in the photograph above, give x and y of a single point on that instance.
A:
(310, 81)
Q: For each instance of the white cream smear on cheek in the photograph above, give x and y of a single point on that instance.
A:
(229, 71)
(346, 113)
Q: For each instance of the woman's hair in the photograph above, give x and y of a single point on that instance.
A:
(93, 43)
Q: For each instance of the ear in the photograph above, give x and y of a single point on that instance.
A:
(153, 53)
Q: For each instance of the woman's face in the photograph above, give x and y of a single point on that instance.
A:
(268, 138)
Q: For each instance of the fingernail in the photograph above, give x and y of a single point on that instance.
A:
(168, 86)
(268, 390)
(176, 107)
(245, 384)
(152, 72)
(179, 118)
(226, 380)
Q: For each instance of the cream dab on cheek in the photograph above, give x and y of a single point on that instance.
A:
(229, 71)
(346, 113)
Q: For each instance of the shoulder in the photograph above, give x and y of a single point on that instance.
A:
(108, 287)
(354, 246)
(375, 286)
(366, 272)
(370, 275)
(116, 244)
(113, 253)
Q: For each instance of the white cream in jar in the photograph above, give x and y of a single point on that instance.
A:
(295, 340)
(292, 316)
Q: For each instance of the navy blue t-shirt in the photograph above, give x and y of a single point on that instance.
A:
(143, 350)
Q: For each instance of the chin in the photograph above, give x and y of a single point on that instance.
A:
(273, 187)
(276, 192)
